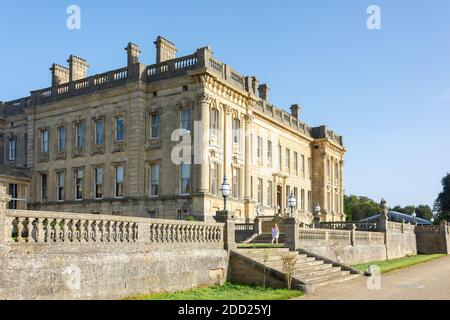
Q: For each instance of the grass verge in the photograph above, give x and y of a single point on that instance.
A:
(229, 291)
(396, 264)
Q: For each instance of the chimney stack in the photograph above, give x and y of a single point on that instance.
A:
(264, 92)
(133, 52)
(295, 111)
(60, 75)
(251, 85)
(165, 50)
(77, 68)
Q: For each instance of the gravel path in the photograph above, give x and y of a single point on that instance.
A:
(426, 281)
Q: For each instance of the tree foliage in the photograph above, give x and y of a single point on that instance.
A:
(442, 203)
(423, 211)
(359, 207)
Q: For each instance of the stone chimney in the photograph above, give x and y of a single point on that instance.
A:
(77, 68)
(60, 74)
(133, 52)
(295, 111)
(165, 50)
(251, 85)
(264, 92)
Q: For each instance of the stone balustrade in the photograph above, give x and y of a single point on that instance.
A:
(22, 226)
(343, 237)
(360, 226)
(244, 226)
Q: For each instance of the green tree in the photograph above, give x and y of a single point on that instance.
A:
(398, 209)
(409, 210)
(442, 203)
(424, 211)
(358, 208)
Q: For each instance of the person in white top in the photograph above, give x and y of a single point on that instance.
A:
(275, 233)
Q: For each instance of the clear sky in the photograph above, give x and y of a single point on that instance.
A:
(387, 91)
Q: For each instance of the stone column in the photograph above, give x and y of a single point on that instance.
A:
(291, 232)
(227, 142)
(341, 186)
(383, 220)
(4, 200)
(229, 236)
(353, 235)
(247, 191)
(204, 117)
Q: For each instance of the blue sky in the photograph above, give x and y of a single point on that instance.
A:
(386, 91)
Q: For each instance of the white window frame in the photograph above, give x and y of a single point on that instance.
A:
(61, 143)
(156, 126)
(184, 179)
(79, 135)
(12, 149)
(116, 181)
(44, 140)
(79, 184)
(41, 187)
(117, 130)
(59, 186)
(183, 122)
(154, 181)
(97, 131)
(96, 172)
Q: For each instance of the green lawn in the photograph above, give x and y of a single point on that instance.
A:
(229, 291)
(260, 245)
(396, 264)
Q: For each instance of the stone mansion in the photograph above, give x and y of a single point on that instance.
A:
(104, 143)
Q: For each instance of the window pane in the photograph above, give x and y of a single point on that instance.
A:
(186, 119)
(120, 128)
(99, 126)
(155, 126)
(119, 174)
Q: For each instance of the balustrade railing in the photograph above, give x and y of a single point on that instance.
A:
(244, 226)
(81, 86)
(344, 237)
(49, 227)
(360, 226)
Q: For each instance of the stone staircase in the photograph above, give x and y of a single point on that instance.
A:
(309, 270)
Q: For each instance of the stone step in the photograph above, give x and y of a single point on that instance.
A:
(317, 273)
(325, 277)
(300, 261)
(316, 267)
(335, 280)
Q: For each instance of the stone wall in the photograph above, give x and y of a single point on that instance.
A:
(54, 255)
(353, 247)
(106, 271)
(401, 240)
(433, 239)
(341, 246)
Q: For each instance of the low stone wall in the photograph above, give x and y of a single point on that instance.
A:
(344, 246)
(401, 240)
(52, 255)
(105, 271)
(433, 239)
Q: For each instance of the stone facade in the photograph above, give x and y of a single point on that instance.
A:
(113, 132)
